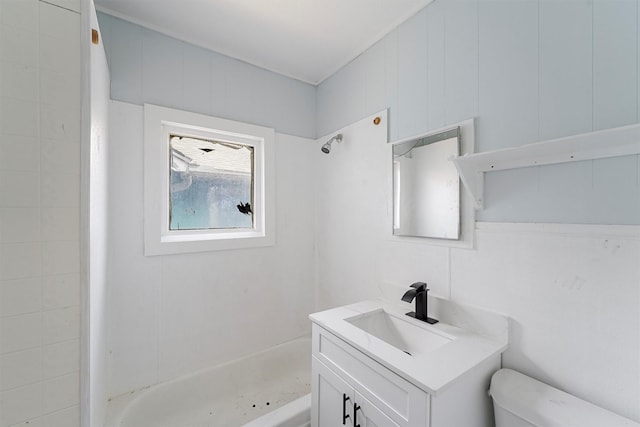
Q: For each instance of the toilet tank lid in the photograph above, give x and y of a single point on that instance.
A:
(543, 405)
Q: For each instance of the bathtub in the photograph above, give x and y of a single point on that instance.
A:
(267, 389)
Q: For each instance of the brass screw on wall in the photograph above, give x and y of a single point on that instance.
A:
(376, 121)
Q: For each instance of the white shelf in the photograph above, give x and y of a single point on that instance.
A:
(613, 142)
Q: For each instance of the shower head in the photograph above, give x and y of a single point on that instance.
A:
(326, 148)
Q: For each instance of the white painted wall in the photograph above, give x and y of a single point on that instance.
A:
(94, 194)
(174, 314)
(526, 75)
(171, 315)
(39, 212)
(353, 213)
(358, 257)
(573, 291)
(573, 295)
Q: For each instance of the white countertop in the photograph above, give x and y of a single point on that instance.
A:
(435, 370)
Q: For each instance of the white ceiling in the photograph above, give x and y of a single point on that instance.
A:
(305, 39)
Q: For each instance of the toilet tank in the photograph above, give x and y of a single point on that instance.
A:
(521, 401)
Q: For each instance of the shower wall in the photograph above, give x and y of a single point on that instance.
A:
(40, 279)
(174, 314)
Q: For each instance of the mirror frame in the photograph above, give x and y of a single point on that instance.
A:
(467, 210)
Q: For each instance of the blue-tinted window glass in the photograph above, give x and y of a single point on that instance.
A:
(211, 184)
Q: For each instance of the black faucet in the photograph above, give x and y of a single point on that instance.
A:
(419, 292)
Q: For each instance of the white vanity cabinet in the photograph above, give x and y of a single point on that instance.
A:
(338, 403)
(349, 388)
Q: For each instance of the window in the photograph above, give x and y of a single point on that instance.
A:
(208, 183)
(211, 184)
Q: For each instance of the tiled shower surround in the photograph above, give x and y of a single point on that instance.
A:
(39, 212)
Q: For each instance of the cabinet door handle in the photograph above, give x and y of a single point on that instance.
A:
(344, 408)
(356, 408)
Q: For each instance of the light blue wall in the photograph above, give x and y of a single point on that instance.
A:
(148, 67)
(529, 70)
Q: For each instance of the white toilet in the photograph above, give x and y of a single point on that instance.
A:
(521, 401)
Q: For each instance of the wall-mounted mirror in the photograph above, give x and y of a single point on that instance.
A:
(426, 186)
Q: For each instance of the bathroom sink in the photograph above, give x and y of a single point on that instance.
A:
(400, 333)
(464, 338)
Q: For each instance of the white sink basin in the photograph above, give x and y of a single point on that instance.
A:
(399, 333)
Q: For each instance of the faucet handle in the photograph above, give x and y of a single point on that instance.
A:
(420, 286)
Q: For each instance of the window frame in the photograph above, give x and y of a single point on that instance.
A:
(162, 122)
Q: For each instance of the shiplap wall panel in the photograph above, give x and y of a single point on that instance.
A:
(375, 77)
(324, 96)
(566, 91)
(197, 77)
(333, 101)
(391, 83)
(124, 48)
(461, 60)
(517, 66)
(412, 75)
(615, 74)
(528, 70)
(218, 79)
(512, 194)
(616, 201)
(436, 77)
(148, 67)
(508, 74)
(240, 92)
(556, 183)
(353, 85)
(299, 118)
(162, 70)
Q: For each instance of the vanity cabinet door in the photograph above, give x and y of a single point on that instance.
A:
(332, 398)
(336, 403)
(402, 403)
(369, 415)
